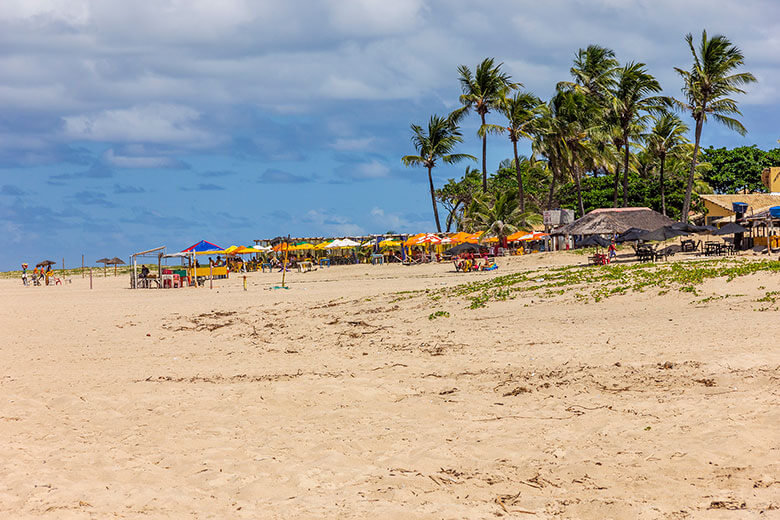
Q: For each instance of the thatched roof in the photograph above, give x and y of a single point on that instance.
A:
(753, 200)
(606, 221)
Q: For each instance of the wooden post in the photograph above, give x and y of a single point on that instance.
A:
(63, 267)
(82, 265)
(211, 277)
(245, 282)
(90, 278)
(284, 262)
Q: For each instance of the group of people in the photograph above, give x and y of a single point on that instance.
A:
(467, 262)
(39, 274)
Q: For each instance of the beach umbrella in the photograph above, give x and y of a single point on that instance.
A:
(429, 238)
(692, 228)
(630, 234)
(105, 262)
(593, 241)
(662, 233)
(45, 263)
(730, 229)
(115, 262)
(466, 247)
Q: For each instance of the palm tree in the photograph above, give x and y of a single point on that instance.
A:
(706, 88)
(521, 112)
(631, 102)
(438, 143)
(482, 92)
(593, 72)
(666, 137)
(498, 215)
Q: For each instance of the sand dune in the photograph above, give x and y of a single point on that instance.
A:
(346, 396)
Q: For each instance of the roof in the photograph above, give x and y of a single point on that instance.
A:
(753, 200)
(606, 221)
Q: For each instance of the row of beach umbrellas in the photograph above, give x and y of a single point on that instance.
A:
(110, 261)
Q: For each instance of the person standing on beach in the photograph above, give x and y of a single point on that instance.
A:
(24, 275)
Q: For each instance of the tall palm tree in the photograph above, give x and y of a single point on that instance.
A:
(498, 215)
(437, 143)
(631, 101)
(482, 92)
(666, 137)
(521, 112)
(593, 72)
(707, 87)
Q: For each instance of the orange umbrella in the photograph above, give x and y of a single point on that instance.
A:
(474, 237)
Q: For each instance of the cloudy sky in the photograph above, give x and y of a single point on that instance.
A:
(128, 125)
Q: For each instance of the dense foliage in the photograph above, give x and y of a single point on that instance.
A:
(739, 168)
(606, 137)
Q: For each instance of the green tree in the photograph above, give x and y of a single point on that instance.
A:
(738, 169)
(707, 87)
(482, 91)
(498, 215)
(456, 195)
(521, 112)
(437, 143)
(593, 73)
(632, 101)
(666, 136)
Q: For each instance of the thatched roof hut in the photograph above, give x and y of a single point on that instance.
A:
(607, 221)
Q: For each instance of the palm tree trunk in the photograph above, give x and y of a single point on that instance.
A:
(689, 188)
(520, 190)
(433, 201)
(617, 182)
(552, 186)
(578, 182)
(663, 194)
(627, 156)
(484, 157)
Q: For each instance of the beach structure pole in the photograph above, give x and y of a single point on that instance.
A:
(82, 265)
(211, 277)
(90, 278)
(63, 267)
(284, 263)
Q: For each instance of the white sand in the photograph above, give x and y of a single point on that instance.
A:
(340, 399)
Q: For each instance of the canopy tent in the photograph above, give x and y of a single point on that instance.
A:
(390, 243)
(203, 247)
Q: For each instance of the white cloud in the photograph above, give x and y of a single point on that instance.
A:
(353, 144)
(157, 123)
(331, 224)
(140, 161)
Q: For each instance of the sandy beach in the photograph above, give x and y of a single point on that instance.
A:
(347, 396)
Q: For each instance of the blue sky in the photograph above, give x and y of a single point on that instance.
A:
(128, 125)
